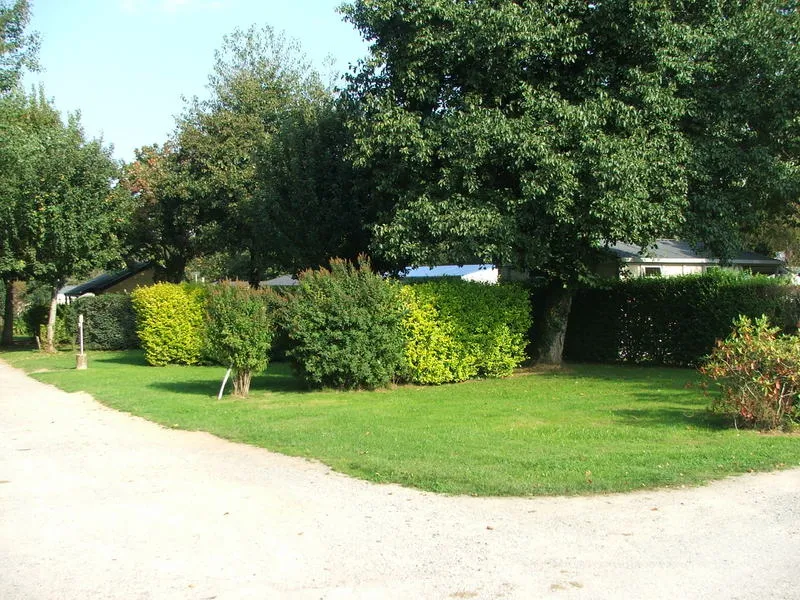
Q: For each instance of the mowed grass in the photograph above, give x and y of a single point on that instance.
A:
(580, 430)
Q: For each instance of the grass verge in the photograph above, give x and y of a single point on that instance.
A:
(584, 429)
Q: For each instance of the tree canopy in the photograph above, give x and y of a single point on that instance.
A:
(534, 134)
(18, 49)
(61, 212)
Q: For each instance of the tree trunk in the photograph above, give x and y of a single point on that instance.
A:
(50, 345)
(8, 314)
(550, 328)
(241, 383)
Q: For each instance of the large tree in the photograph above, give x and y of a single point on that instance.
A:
(165, 225)
(265, 154)
(536, 133)
(18, 49)
(62, 210)
(21, 120)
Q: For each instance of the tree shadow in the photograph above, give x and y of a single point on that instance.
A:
(123, 357)
(673, 416)
(194, 387)
(280, 382)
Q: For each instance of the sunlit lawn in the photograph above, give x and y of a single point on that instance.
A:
(580, 430)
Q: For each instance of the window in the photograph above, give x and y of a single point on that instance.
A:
(652, 271)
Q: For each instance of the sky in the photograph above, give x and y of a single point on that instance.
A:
(126, 65)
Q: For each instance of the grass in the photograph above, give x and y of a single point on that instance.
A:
(580, 430)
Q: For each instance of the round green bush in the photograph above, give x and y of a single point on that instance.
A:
(345, 327)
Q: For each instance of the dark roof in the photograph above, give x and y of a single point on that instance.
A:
(107, 280)
(677, 251)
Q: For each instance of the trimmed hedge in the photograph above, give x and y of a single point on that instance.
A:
(455, 330)
(672, 321)
(345, 327)
(169, 319)
(109, 322)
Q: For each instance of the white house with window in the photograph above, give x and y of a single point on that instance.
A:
(674, 257)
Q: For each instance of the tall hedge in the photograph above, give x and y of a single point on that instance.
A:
(169, 319)
(455, 330)
(672, 321)
(109, 322)
(345, 327)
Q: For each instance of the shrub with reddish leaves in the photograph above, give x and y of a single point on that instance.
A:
(758, 372)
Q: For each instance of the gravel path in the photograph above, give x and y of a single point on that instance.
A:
(99, 504)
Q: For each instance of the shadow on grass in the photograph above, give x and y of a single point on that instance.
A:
(195, 387)
(124, 357)
(280, 381)
(697, 418)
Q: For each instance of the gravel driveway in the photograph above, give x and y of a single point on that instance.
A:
(99, 504)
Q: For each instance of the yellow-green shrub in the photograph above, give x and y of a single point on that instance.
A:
(169, 323)
(431, 354)
(457, 329)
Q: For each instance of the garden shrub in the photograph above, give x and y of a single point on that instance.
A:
(758, 372)
(169, 322)
(239, 332)
(345, 326)
(109, 322)
(672, 321)
(431, 354)
(458, 329)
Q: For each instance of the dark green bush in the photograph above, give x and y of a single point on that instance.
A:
(345, 327)
(672, 321)
(458, 329)
(239, 331)
(109, 322)
(169, 322)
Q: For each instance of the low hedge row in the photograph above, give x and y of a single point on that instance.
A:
(347, 327)
(109, 322)
(672, 321)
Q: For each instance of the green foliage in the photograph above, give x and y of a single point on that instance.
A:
(672, 320)
(169, 321)
(109, 322)
(531, 134)
(758, 372)
(457, 329)
(239, 332)
(345, 326)
(165, 221)
(17, 49)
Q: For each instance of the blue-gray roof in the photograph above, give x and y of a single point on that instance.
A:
(676, 251)
(280, 281)
(446, 270)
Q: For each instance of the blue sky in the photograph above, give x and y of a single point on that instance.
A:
(126, 64)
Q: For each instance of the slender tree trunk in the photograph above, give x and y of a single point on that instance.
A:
(241, 383)
(50, 345)
(8, 314)
(551, 329)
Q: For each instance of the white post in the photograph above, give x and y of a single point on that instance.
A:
(80, 360)
(80, 331)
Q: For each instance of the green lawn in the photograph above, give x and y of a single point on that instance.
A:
(581, 430)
